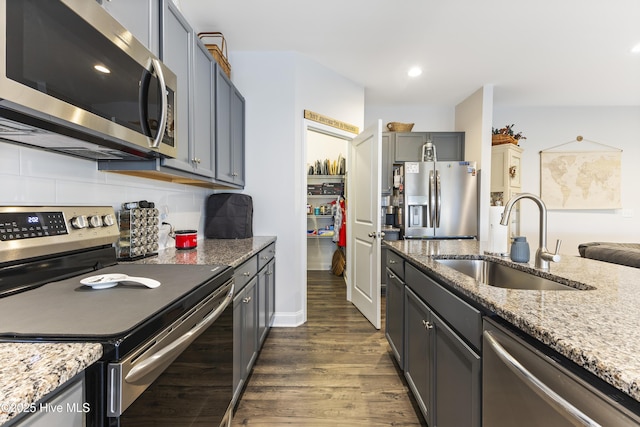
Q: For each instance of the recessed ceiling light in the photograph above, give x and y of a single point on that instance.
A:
(102, 69)
(636, 48)
(414, 71)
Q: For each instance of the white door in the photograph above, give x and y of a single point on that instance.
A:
(363, 222)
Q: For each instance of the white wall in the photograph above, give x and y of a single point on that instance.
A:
(278, 87)
(34, 177)
(321, 146)
(426, 118)
(546, 127)
(474, 117)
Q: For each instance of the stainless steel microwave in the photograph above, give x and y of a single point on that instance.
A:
(73, 80)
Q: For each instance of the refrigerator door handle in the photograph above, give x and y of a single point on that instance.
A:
(432, 200)
(438, 200)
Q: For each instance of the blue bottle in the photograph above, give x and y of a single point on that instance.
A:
(520, 249)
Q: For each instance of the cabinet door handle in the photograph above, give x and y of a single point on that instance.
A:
(427, 325)
(246, 300)
(392, 261)
(246, 274)
(392, 276)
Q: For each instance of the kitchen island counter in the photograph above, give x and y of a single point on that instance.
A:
(30, 371)
(597, 329)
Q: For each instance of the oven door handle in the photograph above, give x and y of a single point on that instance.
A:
(161, 359)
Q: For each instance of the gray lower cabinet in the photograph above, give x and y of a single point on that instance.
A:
(253, 312)
(394, 317)
(266, 291)
(65, 407)
(394, 324)
(245, 334)
(418, 353)
(442, 361)
(457, 387)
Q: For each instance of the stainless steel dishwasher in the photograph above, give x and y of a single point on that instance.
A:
(527, 385)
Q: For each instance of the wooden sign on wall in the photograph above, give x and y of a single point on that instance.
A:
(310, 115)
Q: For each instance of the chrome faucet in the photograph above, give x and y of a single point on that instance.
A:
(543, 256)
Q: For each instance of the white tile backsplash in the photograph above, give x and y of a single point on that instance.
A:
(9, 159)
(35, 177)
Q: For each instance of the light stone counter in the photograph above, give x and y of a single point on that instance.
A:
(598, 329)
(231, 252)
(30, 371)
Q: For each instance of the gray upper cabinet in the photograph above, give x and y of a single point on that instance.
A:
(176, 50)
(203, 141)
(185, 54)
(408, 145)
(449, 145)
(209, 111)
(140, 17)
(386, 177)
(230, 131)
(400, 147)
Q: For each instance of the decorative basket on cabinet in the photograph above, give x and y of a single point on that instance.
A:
(218, 51)
(499, 139)
(399, 127)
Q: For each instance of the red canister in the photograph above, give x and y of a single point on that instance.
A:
(186, 239)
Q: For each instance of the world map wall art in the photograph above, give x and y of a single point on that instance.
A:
(580, 180)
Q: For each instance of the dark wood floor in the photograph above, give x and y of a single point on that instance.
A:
(335, 370)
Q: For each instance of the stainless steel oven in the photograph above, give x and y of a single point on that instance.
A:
(73, 80)
(167, 351)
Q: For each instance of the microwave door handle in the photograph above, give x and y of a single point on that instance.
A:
(165, 103)
(143, 96)
(540, 388)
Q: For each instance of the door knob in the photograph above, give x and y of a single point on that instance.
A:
(372, 235)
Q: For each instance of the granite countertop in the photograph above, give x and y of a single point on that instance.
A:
(597, 329)
(30, 371)
(231, 252)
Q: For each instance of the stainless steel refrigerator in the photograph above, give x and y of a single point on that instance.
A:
(440, 200)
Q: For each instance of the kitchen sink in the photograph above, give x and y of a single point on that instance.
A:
(502, 276)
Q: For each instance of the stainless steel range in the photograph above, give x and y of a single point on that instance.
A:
(168, 350)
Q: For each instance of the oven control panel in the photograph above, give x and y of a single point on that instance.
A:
(30, 231)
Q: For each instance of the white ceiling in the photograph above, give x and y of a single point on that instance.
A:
(536, 52)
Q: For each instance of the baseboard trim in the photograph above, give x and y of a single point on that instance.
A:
(288, 320)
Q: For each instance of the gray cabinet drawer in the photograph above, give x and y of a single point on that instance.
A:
(395, 263)
(462, 317)
(265, 255)
(245, 272)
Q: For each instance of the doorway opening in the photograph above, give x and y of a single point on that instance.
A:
(325, 152)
